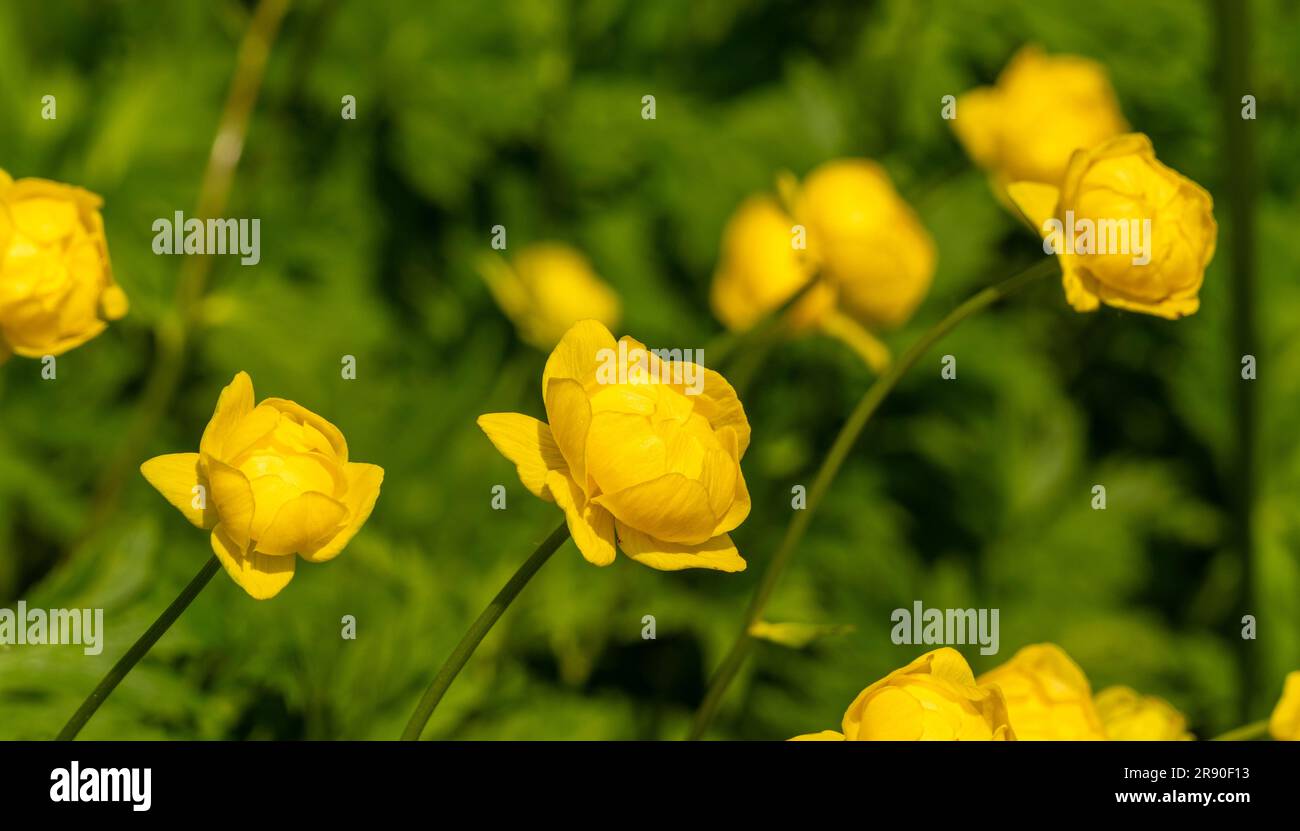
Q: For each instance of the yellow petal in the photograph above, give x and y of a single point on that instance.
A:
(260, 575)
(672, 507)
(236, 401)
(823, 736)
(721, 406)
(306, 416)
(175, 476)
(232, 497)
(529, 444)
(569, 412)
(304, 523)
(363, 489)
(591, 526)
(575, 355)
(718, 553)
(1035, 201)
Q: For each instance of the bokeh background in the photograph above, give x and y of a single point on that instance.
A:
(973, 493)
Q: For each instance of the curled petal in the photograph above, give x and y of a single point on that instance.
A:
(719, 553)
(529, 444)
(260, 575)
(591, 526)
(175, 476)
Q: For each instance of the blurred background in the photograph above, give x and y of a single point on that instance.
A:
(528, 114)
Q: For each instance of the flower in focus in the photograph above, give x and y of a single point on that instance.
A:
(546, 288)
(1128, 716)
(934, 698)
(1047, 695)
(1042, 109)
(56, 284)
(273, 483)
(639, 452)
(1142, 234)
(874, 259)
(1284, 724)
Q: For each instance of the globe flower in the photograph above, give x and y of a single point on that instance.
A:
(934, 698)
(1129, 716)
(1284, 724)
(1129, 232)
(56, 284)
(273, 483)
(1047, 695)
(547, 288)
(639, 453)
(1042, 109)
(874, 259)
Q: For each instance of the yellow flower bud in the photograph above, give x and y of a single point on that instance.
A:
(1047, 695)
(1041, 110)
(547, 288)
(270, 481)
(56, 284)
(1284, 724)
(934, 698)
(1128, 716)
(639, 451)
(1141, 233)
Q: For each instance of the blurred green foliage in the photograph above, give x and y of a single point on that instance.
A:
(968, 494)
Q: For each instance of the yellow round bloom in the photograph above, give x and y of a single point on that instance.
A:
(934, 698)
(1128, 716)
(1129, 231)
(1047, 695)
(869, 242)
(56, 284)
(548, 287)
(270, 481)
(639, 452)
(1041, 110)
(1284, 724)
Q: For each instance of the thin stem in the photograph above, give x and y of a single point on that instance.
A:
(478, 630)
(1239, 180)
(172, 332)
(1254, 730)
(138, 650)
(848, 435)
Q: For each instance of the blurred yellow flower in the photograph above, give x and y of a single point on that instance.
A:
(56, 283)
(638, 450)
(934, 698)
(846, 224)
(1128, 716)
(546, 288)
(1129, 231)
(1047, 695)
(1042, 109)
(1284, 724)
(270, 481)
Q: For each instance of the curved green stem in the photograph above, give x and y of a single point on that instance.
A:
(478, 630)
(138, 650)
(830, 466)
(1254, 730)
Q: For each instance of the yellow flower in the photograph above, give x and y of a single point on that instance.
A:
(849, 226)
(1141, 233)
(1284, 724)
(1041, 110)
(1128, 716)
(1047, 695)
(56, 284)
(934, 698)
(644, 449)
(270, 481)
(547, 288)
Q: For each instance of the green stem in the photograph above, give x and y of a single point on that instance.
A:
(1254, 730)
(830, 466)
(138, 651)
(478, 630)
